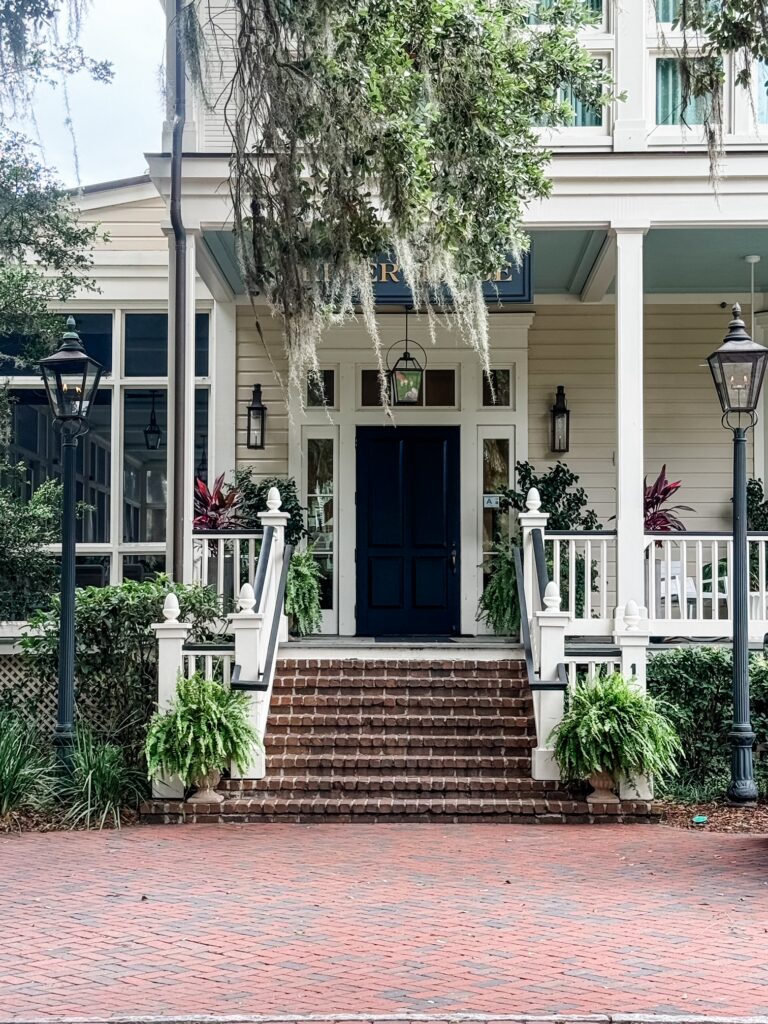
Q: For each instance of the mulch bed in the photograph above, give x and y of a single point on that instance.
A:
(720, 817)
(51, 821)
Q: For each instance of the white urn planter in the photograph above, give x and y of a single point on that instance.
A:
(602, 789)
(206, 790)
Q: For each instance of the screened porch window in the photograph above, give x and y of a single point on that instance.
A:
(669, 96)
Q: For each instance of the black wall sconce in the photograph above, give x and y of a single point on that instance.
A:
(257, 420)
(560, 437)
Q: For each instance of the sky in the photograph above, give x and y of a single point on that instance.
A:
(114, 124)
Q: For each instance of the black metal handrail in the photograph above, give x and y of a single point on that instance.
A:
(536, 684)
(540, 561)
(262, 565)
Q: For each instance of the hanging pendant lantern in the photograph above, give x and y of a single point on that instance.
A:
(406, 376)
(153, 435)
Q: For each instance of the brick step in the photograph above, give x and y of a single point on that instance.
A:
(399, 743)
(244, 809)
(334, 763)
(448, 785)
(466, 703)
(428, 725)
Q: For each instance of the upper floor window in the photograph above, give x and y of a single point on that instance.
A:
(670, 108)
(584, 116)
(761, 78)
(667, 11)
(538, 15)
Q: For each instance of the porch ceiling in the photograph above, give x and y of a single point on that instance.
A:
(676, 260)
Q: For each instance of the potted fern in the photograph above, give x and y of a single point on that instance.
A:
(205, 729)
(610, 730)
(302, 592)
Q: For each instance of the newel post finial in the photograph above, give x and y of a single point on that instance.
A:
(552, 597)
(171, 610)
(274, 501)
(246, 600)
(533, 500)
(631, 615)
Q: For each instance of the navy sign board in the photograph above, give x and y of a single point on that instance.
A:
(510, 284)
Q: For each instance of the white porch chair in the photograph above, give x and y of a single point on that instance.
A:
(676, 589)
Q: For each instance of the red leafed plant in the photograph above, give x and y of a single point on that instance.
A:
(216, 508)
(657, 494)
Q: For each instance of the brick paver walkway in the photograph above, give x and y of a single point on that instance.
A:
(378, 919)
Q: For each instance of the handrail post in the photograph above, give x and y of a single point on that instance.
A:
(530, 520)
(631, 635)
(279, 520)
(246, 625)
(171, 636)
(549, 705)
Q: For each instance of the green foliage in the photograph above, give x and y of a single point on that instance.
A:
(38, 46)
(116, 649)
(499, 604)
(26, 768)
(560, 496)
(757, 507)
(402, 126)
(609, 726)
(205, 728)
(695, 684)
(253, 500)
(302, 592)
(29, 576)
(45, 253)
(101, 783)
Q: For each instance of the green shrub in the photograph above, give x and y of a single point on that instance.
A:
(611, 727)
(499, 604)
(206, 727)
(27, 769)
(115, 653)
(253, 499)
(696, 686)
(101, 783)
(560, 497)
(302, 592)
(29, 576)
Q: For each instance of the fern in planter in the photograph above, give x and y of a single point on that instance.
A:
(611, 727)
(206, 727)
(499, 605)
(302, 592)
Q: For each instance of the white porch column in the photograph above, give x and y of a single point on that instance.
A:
(549, 705)
(171, 636)
(222, 412)
(630, 130)
(630, 559)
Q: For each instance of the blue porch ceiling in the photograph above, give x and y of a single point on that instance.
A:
(678, 260)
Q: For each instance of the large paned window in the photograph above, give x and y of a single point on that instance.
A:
(670, 109)
(122, 476)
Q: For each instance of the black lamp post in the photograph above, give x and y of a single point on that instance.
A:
(71, 380)
(738, 368)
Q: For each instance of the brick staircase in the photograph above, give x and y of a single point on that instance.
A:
(365, 740)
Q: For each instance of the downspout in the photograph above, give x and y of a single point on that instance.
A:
(179, 308)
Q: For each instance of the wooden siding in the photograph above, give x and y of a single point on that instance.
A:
(213, 134)
(262, 363)
(131, 226)
(574, 346)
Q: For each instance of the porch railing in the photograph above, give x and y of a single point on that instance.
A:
(245, 655)
(225, 560)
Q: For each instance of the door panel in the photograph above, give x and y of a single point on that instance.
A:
(408, 573)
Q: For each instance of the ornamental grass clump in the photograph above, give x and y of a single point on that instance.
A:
(611, 727)
(205, 729)
(27, 770)
(100, 783)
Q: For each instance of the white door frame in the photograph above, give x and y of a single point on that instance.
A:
(347, 351)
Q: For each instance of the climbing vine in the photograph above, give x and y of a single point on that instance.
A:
(401, 126)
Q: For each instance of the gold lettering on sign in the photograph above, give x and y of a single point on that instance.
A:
(386, 274)
(503, 274)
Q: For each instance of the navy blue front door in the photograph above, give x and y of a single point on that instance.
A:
(407, 531)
